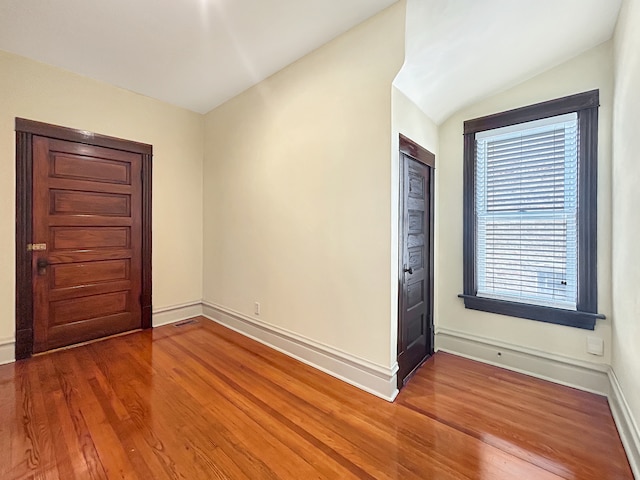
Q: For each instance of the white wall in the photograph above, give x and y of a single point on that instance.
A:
(300, 200)
(39, 92)
(590, 70)
(626, 201)
(409, 120)
(297, 193)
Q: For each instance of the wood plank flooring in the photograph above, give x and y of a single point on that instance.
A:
(203, 402)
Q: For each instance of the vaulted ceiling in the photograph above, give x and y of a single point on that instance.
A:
(199, 53)
(192, 53)
(460, 51)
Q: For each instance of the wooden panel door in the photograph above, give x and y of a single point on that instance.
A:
(415, 329)
(87, 221)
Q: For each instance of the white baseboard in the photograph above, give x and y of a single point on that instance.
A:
(7, 350)
(161, 316)
(627, 426)
(368, 376)
(175, 313)
(591, 377)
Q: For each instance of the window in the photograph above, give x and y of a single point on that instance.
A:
(530, 188)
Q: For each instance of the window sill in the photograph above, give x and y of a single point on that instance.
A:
(558, 316)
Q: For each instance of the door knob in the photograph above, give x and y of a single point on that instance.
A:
(408, 270)
(42, 265)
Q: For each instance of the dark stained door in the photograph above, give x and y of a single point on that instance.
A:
(87, 263)
(415, 332)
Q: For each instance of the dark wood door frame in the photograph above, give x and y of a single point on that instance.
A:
(422, 155)
(25, 130)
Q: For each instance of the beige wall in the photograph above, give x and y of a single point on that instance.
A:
(39, 92)
(626, 201)
(300, 192)
(409, 120)
(592, 69)
(297, 193)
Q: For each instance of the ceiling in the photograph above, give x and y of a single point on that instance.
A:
(192, 53)
(199, 53)
(459, 51)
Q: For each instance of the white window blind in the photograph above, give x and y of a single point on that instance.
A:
(526, 212)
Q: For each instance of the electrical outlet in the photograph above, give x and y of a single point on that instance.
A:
(256, 309)
(595, 346)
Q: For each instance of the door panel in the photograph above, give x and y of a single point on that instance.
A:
(64, 312)
(415, 332)
(64, 238)
(87, 210)
(77, 167)
(88, 290)
(77, 275)
(65, 202)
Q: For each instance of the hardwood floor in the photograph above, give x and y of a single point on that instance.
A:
(203, 402)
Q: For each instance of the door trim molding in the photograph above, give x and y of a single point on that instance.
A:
(25, 130)
(412, 149)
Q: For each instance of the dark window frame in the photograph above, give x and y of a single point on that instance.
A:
(586, 106)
